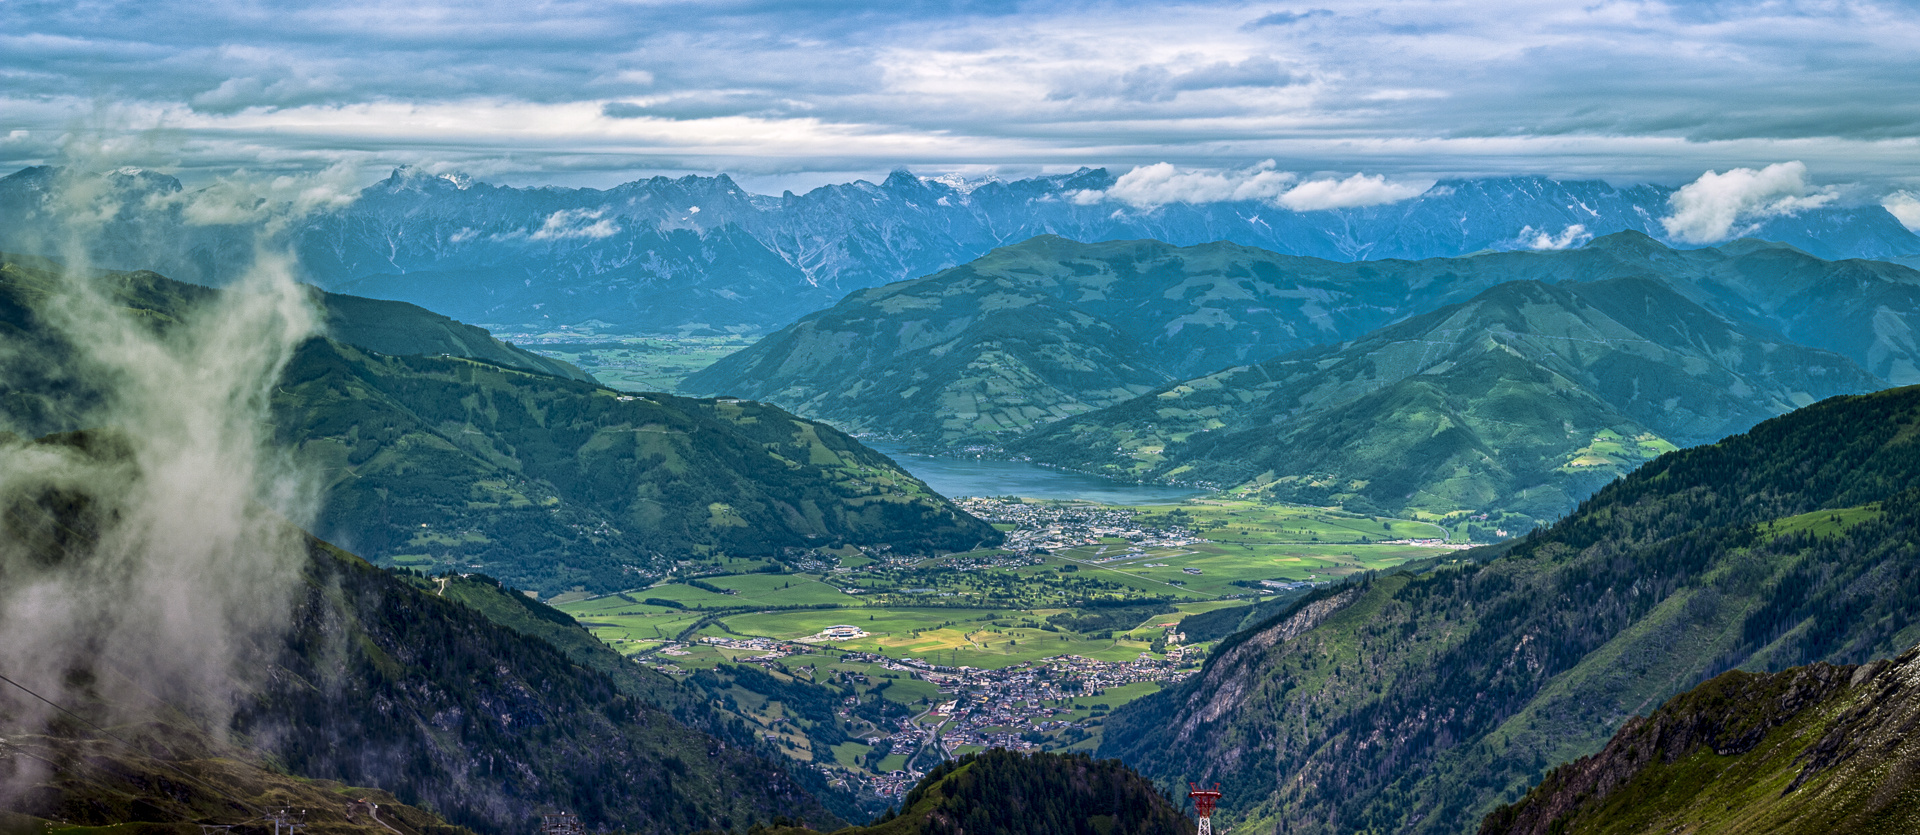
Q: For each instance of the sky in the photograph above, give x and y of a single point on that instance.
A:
(798, 93)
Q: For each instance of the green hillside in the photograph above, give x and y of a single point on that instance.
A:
(1519, 401)
(551, 484)
(1806, 751)
(445, 459)
(1418, 703)
(999, 792)
(987, 351)
(973, 353)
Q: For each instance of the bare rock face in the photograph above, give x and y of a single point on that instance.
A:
(1821, 748)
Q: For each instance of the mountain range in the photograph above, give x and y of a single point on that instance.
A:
(1512, 382)
(1419, 702)
(701, 254)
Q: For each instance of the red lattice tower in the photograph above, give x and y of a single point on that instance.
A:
(1203, 801)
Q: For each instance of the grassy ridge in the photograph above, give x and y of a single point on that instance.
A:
(1049, 328)
(1806, 751)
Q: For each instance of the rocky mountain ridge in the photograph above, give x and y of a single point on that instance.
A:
(701, 253)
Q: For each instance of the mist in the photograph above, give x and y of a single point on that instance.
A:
(149, 556)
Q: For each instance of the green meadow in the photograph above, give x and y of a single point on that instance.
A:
(997, 617)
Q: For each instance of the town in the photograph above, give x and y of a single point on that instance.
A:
(1019, 708)
(1053, 526)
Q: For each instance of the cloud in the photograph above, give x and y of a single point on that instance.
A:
(1286, 18)
(622, 110)
(242, 198)
(1352, 192)
(1163, 82)
(1157, 83)
(1570, 237)
(1905, 207)
(1150, 186)
(1717, 206)
(1161, 183)
(577, 223)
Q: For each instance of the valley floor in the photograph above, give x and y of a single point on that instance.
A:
(1027, 646)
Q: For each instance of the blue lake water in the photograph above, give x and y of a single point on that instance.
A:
(984, 477)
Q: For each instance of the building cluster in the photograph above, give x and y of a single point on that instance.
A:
(978, 562)
(996, 708)
(893, 783)
(772, 647)
(1052, 527)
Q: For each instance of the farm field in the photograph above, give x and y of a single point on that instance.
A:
(967, 609)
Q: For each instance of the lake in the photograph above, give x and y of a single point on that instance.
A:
(986, 477)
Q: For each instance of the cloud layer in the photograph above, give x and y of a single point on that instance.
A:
(594, 92)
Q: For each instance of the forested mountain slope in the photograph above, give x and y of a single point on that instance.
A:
(1419, 703)
(36, 364)
(1522, 400)
(1805, 751)
(546, 482)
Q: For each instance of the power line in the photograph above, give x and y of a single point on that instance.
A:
(110, 735)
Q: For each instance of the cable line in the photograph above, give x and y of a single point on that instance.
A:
(110, 735)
